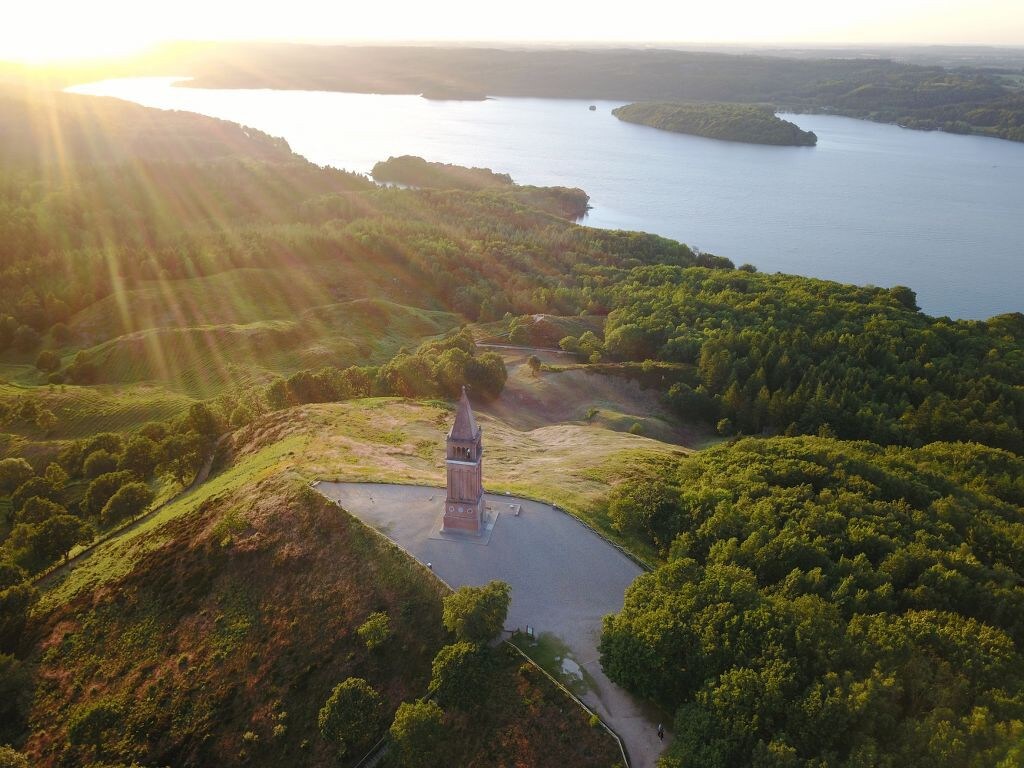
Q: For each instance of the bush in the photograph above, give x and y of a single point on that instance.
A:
(375, 630)
(11, 758)
(89, 724)
(240, 416)
(352, 714)
(477, 614)
(418, 733)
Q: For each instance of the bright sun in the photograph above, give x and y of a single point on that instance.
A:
(38, 34)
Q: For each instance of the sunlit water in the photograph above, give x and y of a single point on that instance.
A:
(871, 203)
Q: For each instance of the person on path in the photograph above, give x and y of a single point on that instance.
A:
(661, 732)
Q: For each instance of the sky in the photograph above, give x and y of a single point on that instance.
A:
(41, 30)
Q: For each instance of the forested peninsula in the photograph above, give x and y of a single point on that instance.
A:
(745, 123)
(412, 171)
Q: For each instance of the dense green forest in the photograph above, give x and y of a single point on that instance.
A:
(747, 123)
(818, 602)
(829, 604)
(780, 353)
(984, 100)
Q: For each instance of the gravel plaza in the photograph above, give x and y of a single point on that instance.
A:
(564, 578)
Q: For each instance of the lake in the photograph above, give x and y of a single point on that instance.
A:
(871, 203)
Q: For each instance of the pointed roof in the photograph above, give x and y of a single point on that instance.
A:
(465, 427)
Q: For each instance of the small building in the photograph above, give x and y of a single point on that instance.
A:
(464, 450)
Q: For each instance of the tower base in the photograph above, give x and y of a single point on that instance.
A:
(463, 517)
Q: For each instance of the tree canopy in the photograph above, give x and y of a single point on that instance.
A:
(477, 614)
(834, 603)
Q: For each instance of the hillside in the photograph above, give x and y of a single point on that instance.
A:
(728, 122)
(245, 310)
(204, 649)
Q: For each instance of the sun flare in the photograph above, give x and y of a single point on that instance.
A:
(72, 34)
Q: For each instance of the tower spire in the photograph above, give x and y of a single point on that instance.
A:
(464, 502)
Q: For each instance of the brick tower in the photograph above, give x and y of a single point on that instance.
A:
(464, 505)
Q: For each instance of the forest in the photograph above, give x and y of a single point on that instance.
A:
(746, 123)
(784, 354)
(829, 603)
(838, 582)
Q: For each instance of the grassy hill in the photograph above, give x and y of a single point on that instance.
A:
(196, 624)
(225, 635)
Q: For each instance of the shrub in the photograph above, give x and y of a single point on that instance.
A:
(375, 630)
(11, 758)
(90, 723)
(61, 334)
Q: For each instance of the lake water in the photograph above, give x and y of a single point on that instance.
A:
(871, 203)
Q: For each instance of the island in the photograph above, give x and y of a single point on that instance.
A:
(414, 171)
(747, 123)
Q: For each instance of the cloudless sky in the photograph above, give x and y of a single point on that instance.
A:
(46, 29)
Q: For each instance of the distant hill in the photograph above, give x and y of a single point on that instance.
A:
(961, 99)
(728, 122)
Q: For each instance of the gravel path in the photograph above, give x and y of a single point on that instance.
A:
(564, 579)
